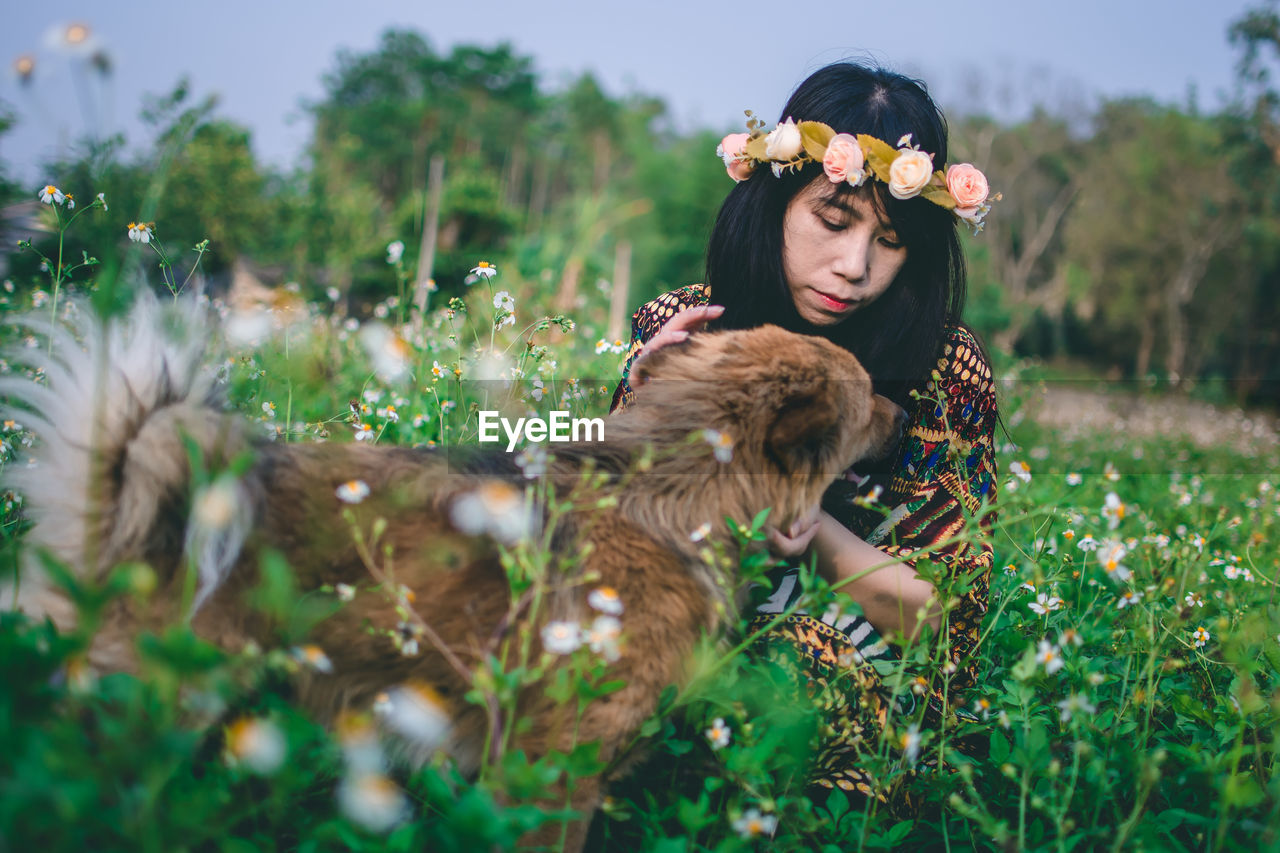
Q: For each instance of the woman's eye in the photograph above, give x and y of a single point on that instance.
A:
(832, 226)
(890, 243)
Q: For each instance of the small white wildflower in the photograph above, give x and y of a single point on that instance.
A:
(606, 600)
(416, 712)
(1075, 702)
(702, 531)
(1113, 510)
(1194, 599)
(1045, 604)
(373, 801)
(395, 251)
(256, 744)
(909, 742)
(721, 444)
(1128, 598)
(753, 824)
(1074, 479)
(503, 302)
(484, 269)
(719, 733)
(603, 635)
(352, 491)
(344, 591)
(561, 638)
(313, 656)
(51, 195)
(1200, 636)
(1047, 655)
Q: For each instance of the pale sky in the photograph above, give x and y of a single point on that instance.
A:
(708, 61)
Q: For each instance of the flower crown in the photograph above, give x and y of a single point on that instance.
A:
(845, 158)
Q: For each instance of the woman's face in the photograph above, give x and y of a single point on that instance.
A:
(837, 253)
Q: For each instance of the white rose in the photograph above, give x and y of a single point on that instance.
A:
(783, 142)
(909, 173)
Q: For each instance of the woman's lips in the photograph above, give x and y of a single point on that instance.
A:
(833, 304)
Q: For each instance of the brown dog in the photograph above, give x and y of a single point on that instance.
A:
(112, 482)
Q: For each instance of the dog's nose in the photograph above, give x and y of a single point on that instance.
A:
(899, 422)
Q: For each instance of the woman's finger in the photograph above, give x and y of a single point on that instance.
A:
(678, 329)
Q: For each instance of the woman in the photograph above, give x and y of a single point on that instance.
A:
(839, 227)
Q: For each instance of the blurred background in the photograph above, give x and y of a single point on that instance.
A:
(1136, 144)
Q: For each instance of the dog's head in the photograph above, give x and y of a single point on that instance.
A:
(791, 405)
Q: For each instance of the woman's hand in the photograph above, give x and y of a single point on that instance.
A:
(796, 540)
(678, 329)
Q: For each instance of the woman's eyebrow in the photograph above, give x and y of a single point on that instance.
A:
(836, 202)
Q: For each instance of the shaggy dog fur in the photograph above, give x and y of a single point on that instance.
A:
(112, 482)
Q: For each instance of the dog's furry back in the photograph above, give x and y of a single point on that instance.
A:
(107, 456)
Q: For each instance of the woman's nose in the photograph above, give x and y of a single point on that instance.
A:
(851, 263)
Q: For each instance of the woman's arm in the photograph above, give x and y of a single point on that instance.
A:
(893, 597)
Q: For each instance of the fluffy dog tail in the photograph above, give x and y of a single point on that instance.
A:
(123, 406)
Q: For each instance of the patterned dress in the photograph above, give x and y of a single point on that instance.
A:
(936, 482)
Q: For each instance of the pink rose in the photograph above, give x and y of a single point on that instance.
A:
(843, 160)
(967, 186)
(730, 150)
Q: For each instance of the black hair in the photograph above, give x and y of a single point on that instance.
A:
(899, 336)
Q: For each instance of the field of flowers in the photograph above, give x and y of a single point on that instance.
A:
(1129, 685)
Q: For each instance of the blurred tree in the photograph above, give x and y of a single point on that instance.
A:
(1157, 209)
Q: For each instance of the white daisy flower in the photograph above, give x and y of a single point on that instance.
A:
(503, 302)
(909, 742)
(1110, 553)
(1194, 599)
(721, 444)
(256, 744)
(484, 269)
(606, 600)
(1113, 510)
(753, 824)
(1128, 598)
(313, 656)
(603, 635)
(364, 432)
(416, 712)
(140, 232)
(395, 251)
(1045, 604)
(561, 638)
(702, 531)
(352, 491)
(719, 733)
(1074, 479)
(51, 195)
(1048, 656)
(1200, 636)
(373, 801)
(1073, 703)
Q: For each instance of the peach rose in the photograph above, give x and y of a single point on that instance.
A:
(967, 186)
(729, 150)
(910, 171)
(783, 142)
(843, 160)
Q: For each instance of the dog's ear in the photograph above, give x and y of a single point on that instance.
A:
(802, 428)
